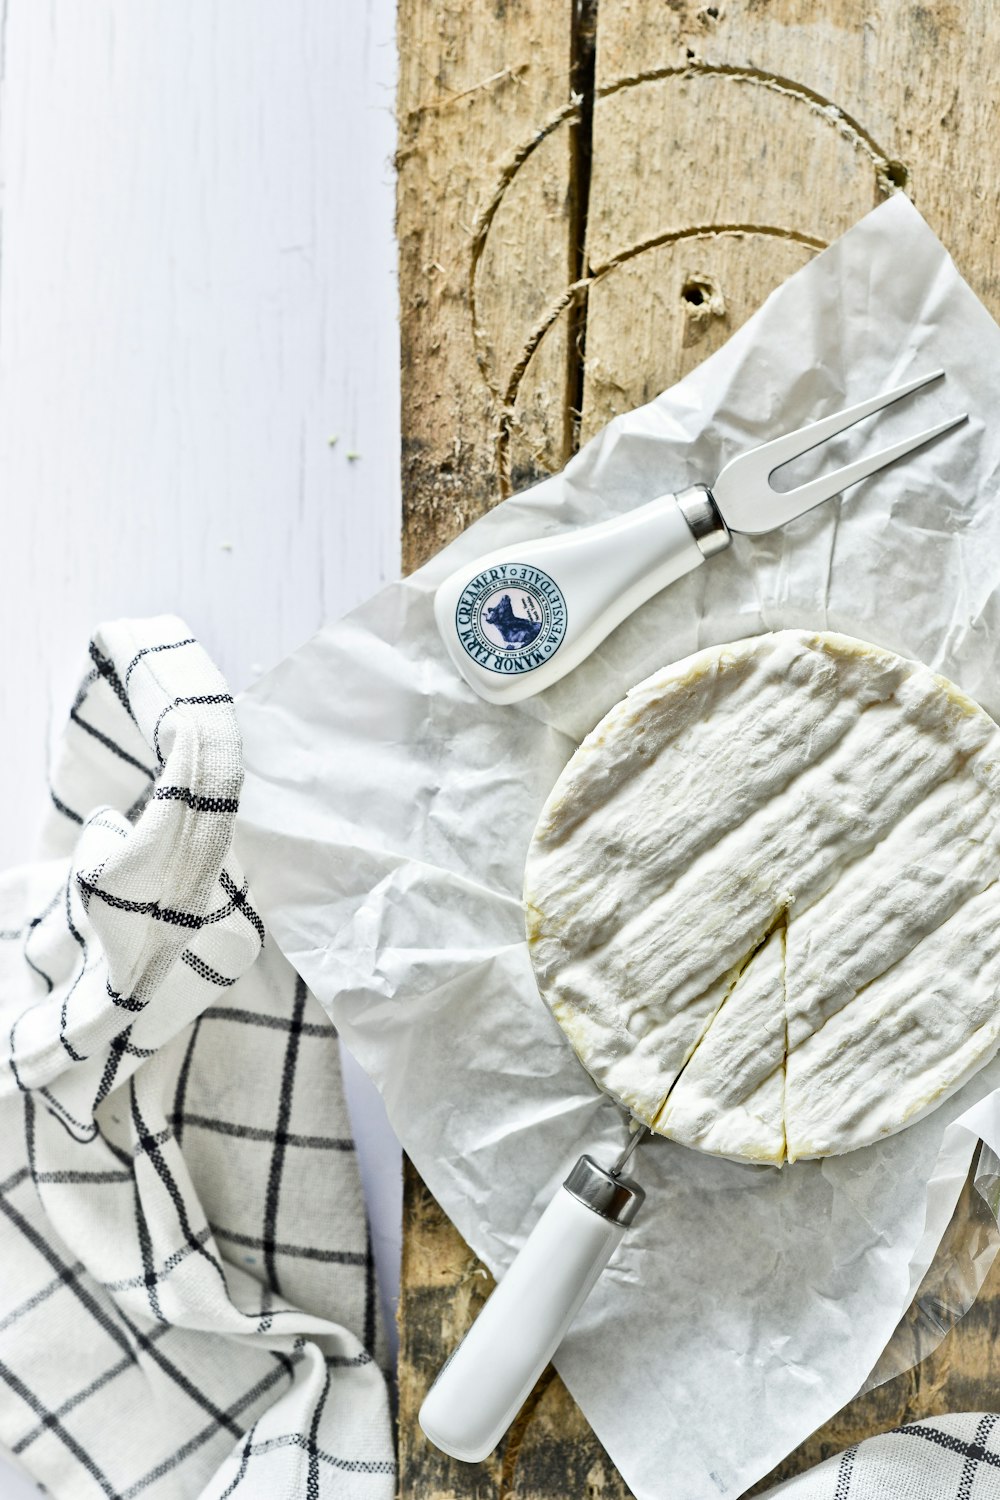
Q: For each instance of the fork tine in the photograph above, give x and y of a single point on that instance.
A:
(828, 485)
(782, 450)
(748, 501)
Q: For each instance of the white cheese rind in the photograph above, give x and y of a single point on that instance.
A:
(794, 783)
(730, 1098)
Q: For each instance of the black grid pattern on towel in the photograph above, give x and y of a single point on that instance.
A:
(245, 1130)
(954, 1457)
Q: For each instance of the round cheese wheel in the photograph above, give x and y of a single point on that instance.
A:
(762, 898)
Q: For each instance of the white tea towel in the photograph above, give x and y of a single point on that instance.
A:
(942, 1458)
(187, 1293)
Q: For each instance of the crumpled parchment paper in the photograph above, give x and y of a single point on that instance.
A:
(388, 809)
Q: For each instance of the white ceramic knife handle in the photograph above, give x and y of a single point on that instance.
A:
(481, 1388)
(518, 619)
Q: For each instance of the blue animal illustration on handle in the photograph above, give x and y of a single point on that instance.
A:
(517, 630)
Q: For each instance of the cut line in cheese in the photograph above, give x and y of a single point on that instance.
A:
(763, 897)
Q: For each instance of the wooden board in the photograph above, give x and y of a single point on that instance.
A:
(551, 1453)
(593, 195)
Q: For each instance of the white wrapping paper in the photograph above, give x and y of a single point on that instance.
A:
(388, 810)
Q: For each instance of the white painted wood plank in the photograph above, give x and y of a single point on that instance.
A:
(197, 292)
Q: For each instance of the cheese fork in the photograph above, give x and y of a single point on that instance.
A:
(518, 619)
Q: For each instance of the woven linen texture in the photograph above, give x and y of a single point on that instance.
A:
(187, 1294)
(954, 1457)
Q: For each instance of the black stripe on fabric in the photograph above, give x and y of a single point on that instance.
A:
(140, 1053)
(69, 1176)
(188, 640)
(119, 1045)
(151, 1140)
(204, 971)
(151, 1146)
(98, 822)
(150, 1279)
(124, 1002)
(845, 1469)
(142, 908)
(970, 1466)
(312, 1478)
(109, 743)
(241, 1472)
(139, 805)
(154, 1277)
(53, 1424)
(298, 1252)
(272, 1312)
(10, 934)
(220, 1419)
(14, 1180)
(370, 1291)
(94, 873)
(42, 1295)
(275, 1023)
(116, 1151)
(69, 1122)
(258, 1133)
(83, 690)
(196, 802)
(266, 1314)
(201, 700)
(200, 1438)
(234, 903)
(49, 986)
(106, 667)
(81, 943)
(349, 1361)
(348, 1465)
(58, 1112)
(28, 932)
(67, 812)
(239, 900)
(39, 1243)
(80, 1396)
(180, 1094)
(953, 1444)
(273, 1191)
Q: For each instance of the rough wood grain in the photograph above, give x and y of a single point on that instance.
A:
(593, 196)
(484, 202)
(552, 1454)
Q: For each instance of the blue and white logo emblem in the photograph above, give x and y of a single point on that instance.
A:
(511, 618)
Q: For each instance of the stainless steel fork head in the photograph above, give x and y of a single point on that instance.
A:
(748, 502)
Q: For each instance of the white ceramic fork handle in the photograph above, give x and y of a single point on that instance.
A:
(518, 619)
(481, 1388)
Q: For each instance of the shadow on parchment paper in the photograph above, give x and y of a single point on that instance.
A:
(948, 1291)
(954, 1277)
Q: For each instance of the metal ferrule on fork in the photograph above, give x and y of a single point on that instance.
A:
(702, 515)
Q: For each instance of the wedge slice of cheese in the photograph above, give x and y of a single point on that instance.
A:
(762, 898)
